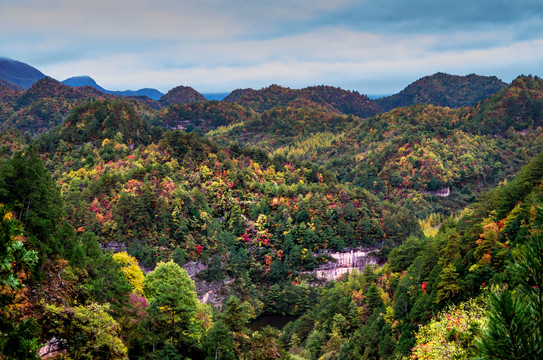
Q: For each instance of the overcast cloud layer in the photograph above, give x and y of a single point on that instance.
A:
(372, 46)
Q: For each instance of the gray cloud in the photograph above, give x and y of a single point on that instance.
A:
(217, 45)
(435, 16)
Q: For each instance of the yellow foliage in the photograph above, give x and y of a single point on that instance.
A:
(131, 270)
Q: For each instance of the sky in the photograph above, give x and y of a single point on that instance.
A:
(375, 47)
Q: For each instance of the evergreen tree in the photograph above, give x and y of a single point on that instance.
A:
(515, 326)
(27, 189)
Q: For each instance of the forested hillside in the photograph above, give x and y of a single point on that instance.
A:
(495, 244)
(407, 154)
(159, 230)
(444, 90)
(328, 98)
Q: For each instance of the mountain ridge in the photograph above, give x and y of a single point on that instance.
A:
(85, 80)
(444, 90)
(19, 73)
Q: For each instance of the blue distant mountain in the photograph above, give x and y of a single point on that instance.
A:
(18, 73)
(83, 81)
(88, 81)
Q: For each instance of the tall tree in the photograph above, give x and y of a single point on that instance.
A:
(515, 326)
(173, 306)
(18, 338)
(27, 189)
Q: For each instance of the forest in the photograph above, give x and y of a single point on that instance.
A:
(141, 229)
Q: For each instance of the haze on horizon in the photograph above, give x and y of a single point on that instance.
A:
(374, 47)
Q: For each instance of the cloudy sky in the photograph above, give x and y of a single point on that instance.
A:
(372, 46)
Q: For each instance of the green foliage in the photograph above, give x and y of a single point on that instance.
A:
(327, 98)
(18, 339)
(204, 116)
(27, 189)
(401, 257)
(451, 334)
(84, 332)
(100, 120)
(172, 307)
(219, 342)
(102, 279)
(515, 318)
(13, 255)
(45, 105)
(181, 95)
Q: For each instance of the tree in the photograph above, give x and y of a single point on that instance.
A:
(131, 270)
(27, 189)
(264, 345)
(233, 315)
(106, 282)
(448, 286)
(450, 335)
(515, 318)
(173, 306)
(13, 255)
(17, 340)
(219, 342)
(85, 332)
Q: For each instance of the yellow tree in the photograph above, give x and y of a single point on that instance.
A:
(131, 270)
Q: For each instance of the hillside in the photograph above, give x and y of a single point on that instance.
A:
(443, 89)
(334, 100)
(347, 102)
(18, 73)
(48, 102)
(45, 105)
(518, 107)
(252, 228)
(237, 94)
(203, 116)
(8, 92)
(432, 300)
(407, 154)
(285, 127)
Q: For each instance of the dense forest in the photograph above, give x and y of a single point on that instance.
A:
(142, 229)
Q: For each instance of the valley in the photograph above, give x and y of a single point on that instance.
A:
(162, 228)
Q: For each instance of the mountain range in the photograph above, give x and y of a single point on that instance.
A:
(78, 81)
(439, 89)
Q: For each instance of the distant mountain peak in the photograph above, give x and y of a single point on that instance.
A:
(85, 80)
(19, 73)
(443, 89)
(181, 95)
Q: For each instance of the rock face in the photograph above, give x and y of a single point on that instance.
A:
(443, 192)
(113, 246)
(194, 268)
(345, 262)
(208, 292)
(214, 293)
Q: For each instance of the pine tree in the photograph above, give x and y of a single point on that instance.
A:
(515, 325)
